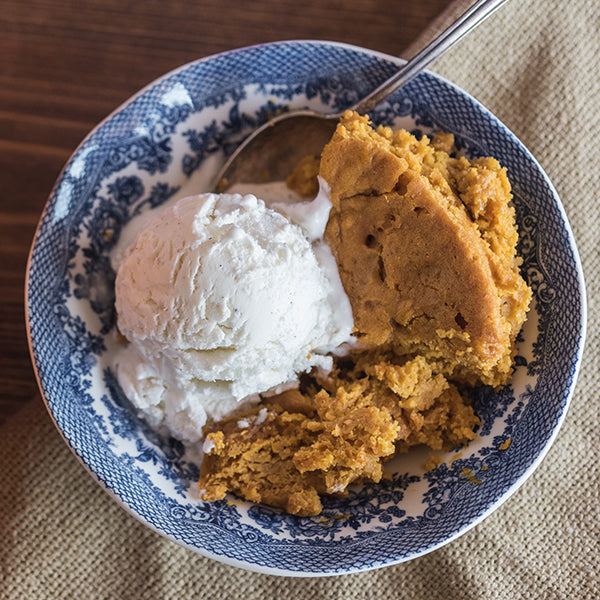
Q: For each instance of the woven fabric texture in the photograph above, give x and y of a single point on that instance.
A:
(535, 65)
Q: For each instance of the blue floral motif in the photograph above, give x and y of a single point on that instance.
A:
(391, 110)
(149, 155)
(75, 330)
(158, 195)
(225, 136)
(537, 277)
(96, 284)
(490, 405)
(332, 91)
(443, 481)
(104, 227)
(202, 143)
(126, 190)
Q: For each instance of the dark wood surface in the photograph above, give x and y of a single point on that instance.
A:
(66, 64)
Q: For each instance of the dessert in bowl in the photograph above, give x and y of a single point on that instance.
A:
(167, 142)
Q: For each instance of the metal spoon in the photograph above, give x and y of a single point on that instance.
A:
(274, 149)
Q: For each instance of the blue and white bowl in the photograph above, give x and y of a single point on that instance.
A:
(168, 141)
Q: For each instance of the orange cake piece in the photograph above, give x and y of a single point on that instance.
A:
(296, 446)
(426, 248)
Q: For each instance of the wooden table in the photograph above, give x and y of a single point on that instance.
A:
(66, 64)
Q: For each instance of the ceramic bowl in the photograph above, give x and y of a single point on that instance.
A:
(168, 141)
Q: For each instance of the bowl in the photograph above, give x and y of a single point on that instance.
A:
(168, 141)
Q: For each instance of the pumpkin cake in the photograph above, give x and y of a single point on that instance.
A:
(425, 243)
(426, 249)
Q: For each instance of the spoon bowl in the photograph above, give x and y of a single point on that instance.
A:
(273, 150)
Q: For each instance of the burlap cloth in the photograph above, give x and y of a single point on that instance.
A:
(535, 64)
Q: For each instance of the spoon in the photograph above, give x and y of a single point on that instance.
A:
(272, 151)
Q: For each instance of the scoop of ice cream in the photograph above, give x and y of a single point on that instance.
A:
(222, 298)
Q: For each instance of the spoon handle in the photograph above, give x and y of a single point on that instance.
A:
(468, 21)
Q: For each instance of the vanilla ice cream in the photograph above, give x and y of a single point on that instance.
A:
(222, 298)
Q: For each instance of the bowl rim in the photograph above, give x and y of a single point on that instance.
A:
(580, 280)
